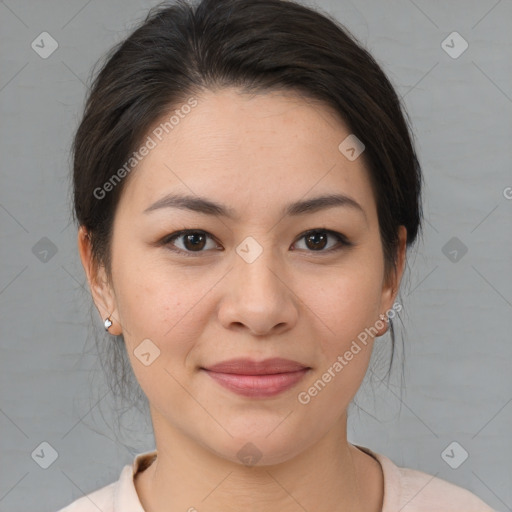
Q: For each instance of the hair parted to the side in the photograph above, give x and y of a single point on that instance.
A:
(256, 46)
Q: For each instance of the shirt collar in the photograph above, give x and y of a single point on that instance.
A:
(392, 480)
(125, 494)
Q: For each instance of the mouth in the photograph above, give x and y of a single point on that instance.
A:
(255, 379)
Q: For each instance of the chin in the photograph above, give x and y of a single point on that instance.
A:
(261, 445)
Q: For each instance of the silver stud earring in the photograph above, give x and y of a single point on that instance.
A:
(108, 323)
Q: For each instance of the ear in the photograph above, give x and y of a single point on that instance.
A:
(391, 285)
(101, 290)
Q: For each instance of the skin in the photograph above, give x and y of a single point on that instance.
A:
(254, 154)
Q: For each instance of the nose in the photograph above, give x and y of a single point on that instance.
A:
(258, 297)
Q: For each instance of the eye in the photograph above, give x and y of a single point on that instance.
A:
(316, 240)
(193, 241)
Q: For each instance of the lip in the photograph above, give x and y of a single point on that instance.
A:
(257, 379)
(246, 366)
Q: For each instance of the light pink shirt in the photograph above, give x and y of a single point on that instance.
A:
(405, 490)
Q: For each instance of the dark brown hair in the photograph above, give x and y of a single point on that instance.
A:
(256, 46)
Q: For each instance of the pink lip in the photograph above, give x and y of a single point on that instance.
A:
(257, 379)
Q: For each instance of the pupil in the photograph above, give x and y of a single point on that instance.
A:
(190, 239)
(315, 237)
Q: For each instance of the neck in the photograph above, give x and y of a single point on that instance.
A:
(331, 475)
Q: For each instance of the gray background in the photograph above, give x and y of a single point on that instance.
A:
(457, 380)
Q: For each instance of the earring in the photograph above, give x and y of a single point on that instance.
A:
(108, 323)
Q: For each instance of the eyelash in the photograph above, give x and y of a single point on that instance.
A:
(342, 239)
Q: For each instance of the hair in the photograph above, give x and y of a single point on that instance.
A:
(256, 46)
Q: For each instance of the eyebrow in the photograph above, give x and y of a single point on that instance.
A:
(208, 207)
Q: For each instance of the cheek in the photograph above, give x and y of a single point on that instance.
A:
(163, 324)
(348, 307)
(347, 302)
(162, 304)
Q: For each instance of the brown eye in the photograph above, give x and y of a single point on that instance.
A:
(191, 241)
(194, 241)
(317, 240)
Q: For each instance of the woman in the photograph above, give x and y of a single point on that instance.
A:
(246, 190)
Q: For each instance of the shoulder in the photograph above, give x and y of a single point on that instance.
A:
(118, 496)
(411, 490)
(422, 492)
(101, 499)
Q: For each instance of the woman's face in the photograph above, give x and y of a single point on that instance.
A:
(250, 283)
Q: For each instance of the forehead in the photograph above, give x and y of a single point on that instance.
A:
(252, 152)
